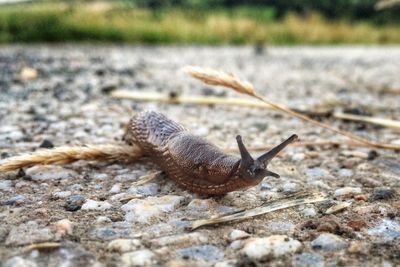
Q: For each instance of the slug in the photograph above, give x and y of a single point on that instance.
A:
(194, 163)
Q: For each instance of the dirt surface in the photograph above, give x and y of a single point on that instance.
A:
(54, 95)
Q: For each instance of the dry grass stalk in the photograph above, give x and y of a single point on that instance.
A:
(197, 100)
(213, 100)
(373, 120)
(338, 207)
(213, 77)
(221, 78)
(147, 178)
(268, 207)
(67, 155)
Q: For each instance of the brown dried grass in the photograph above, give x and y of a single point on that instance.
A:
(214, 77)
(67, 155)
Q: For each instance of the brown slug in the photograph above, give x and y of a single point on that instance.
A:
(194, 163)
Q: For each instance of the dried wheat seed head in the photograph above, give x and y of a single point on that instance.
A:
(221, 78)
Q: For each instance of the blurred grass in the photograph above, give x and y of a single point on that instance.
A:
(59, 22)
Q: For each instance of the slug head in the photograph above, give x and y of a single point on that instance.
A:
(256, 169)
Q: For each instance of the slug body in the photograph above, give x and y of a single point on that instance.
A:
(194, 163)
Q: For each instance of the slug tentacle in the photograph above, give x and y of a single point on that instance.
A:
(194, 163)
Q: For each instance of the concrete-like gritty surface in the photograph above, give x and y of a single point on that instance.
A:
(80, 205)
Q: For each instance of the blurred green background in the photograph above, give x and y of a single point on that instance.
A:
(202, 21)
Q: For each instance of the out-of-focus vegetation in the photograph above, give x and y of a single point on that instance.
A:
(201, 22)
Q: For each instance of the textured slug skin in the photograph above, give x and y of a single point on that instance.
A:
(191, 161)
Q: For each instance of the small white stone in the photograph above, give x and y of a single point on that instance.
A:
(18, 261)
(145, 210)
(237, 244)
(115, 188)
(290, 187)
(201, 204)
(100, 176)
(5, 185)
(328, 242)
(298, 157)
(103, 220)
(229, 263)
(123, 245)
(189, 239)
(49, 172)
(201, 131)
(309, 212)
(129, 177)
(345, 172)
(96, 205)
(61, 194)
(142, 257)
(280, 227)
(275, 246)
(238, 234)
(347, 191)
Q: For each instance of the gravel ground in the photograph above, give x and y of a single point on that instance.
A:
(59, 95)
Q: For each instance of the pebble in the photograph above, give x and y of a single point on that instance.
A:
(111, 233)
(181, 239)
(142, 257)
(386, 229)
(116, 188)
(49, 172)
(207, 253)
(345, 173)
(61, 194)
(149, 189)
(309, 212)
(201, 131)
(238, 234)
(5, 185)
(290, 187)
(347, 191)
(96, 205)
(18, 261)
(129, 177)
(228, 263)
(297, 157)
(100, 177)
(15, 200)
(102, 220)
(151, 208)
(308, 260)
(64, 227)
(76, 188)
(280, 227)
(383, 193)
(236, 245)
(46, 144)
(180, 223)
(74, 203)
(265, 186)
(198, 205)
(28, 233)
(328, 242)
(272, 246)
(124, 245)
(357, 247)
(316, 172)
(356, 225)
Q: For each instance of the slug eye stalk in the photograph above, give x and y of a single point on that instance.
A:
(258, 168)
